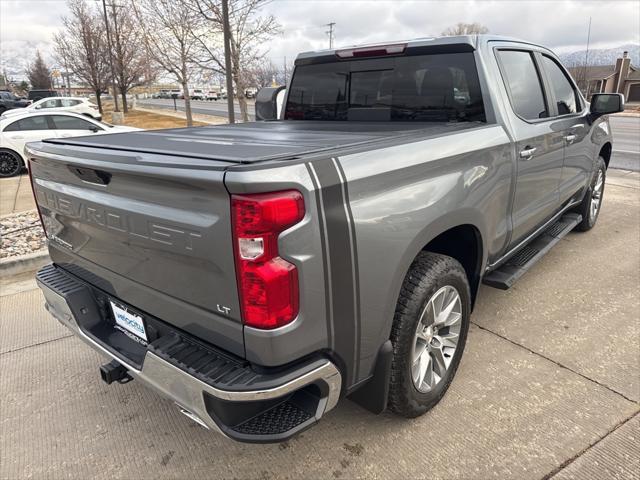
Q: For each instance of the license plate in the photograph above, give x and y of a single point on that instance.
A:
(129, 321)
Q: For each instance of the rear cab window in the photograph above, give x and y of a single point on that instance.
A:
(419, 88)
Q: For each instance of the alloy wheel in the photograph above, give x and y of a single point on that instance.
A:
(9, 164)
(436, 338)
(596, 196)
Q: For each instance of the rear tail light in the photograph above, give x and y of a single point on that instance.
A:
(267, 284)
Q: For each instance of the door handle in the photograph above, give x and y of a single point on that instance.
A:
(527, 153)
(570, 138)
(16, 137)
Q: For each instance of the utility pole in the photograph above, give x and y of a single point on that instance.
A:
(285, 70)
(66, 71)
(330, 33)
(227, 60)
(113, 73)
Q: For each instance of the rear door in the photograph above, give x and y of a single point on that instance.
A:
(539, 145)
(30, 129)
(570, 118)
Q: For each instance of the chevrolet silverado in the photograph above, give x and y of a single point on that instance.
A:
(256, 273)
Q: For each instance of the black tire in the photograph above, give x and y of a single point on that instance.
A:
(589, 219)
(428, 274)
(10, 163)
(2, 109)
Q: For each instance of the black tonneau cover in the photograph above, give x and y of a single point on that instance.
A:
(260, 141)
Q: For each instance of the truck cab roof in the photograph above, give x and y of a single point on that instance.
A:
(417, 45)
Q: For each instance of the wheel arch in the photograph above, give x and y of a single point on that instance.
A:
(464, 243)
(605, 152)
(445, 235)
(11, 150)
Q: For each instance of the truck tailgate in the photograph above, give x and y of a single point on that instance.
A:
(152, 230)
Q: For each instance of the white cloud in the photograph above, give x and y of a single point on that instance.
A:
(562, 24)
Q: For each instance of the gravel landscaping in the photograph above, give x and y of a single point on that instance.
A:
(21, 234)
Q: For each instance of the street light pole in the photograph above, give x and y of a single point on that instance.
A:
(113, 73)
(227, 60)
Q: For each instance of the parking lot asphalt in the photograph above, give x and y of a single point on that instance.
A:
(549, 386)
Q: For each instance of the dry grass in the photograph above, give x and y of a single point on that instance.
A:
(147, 120)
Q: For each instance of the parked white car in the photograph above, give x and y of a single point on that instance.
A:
(78, 105)
(20, 128)
(198, 94)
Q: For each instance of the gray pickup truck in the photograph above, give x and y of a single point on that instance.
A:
(255, 274)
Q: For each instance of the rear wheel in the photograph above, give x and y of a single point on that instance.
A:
(592, 201)
(429, 333)
(10, 163)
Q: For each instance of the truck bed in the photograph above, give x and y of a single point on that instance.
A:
(248, 143)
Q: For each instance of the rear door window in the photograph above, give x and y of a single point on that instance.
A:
(53, 103)
(523, 83)
(64, 122)
(565, 95)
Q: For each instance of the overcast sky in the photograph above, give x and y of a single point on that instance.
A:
(560, 24)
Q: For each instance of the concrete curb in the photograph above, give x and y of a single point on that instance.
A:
(23, 263)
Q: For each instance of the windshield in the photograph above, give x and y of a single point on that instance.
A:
(438, 87)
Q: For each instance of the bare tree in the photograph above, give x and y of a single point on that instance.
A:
(465, 29)
(167, 32)
(39, 73)
(249, 33)
(82, 45)
(131, 63)
(265, 73)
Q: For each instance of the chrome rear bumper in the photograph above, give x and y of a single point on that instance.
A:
(189, 392)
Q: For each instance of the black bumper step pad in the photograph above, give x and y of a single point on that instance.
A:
(280, 419)
(517, 265)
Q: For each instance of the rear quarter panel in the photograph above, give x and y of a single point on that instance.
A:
(368, 215)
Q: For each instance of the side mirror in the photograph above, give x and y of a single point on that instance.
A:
(94, 129)
(267, 103)
(606, 103)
